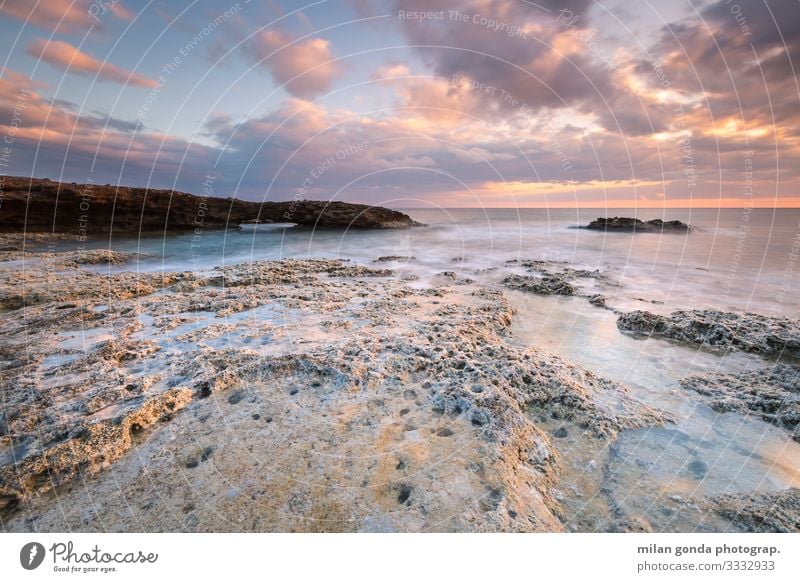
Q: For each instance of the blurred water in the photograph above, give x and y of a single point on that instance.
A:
(735, 260)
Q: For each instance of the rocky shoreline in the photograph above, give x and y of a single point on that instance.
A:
(298, 395)
(38, 205)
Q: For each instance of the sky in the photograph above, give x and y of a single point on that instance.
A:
(434, 103)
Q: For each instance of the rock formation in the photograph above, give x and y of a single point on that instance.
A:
(625, 224)
(777, 512)
(748, 332)
(772, 394)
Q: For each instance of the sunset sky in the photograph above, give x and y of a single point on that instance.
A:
(491, 103)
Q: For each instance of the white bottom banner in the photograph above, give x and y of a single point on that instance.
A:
(405, 557)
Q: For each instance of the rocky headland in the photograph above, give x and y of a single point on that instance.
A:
(39, 205)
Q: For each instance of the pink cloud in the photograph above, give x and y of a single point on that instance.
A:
(65, 56)
(63, 15)
(305, 68)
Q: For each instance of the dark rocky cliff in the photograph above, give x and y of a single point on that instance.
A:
(37, 205)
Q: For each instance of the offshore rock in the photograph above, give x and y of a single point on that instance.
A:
(625, 224)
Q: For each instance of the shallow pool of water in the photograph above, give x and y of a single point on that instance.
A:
(704, 453)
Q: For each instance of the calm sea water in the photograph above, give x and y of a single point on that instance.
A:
(738, 260)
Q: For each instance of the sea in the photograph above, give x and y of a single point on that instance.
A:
(735, 259)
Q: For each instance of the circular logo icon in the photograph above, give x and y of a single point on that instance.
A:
(31, 555)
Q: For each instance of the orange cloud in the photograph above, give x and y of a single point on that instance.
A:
(306, 68)
(69, 58)
(63, 15)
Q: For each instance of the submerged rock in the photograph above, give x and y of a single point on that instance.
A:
(772, 394)
(626, 224)
(749, 332)
(760, 512)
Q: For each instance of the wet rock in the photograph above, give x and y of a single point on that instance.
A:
(760, 512)
(359, 271)
(92, 448)
(104, 257)
(395, 259)
(547, 284)
(772, 394)
(749, 332)
(598, 300)
(625, 224)
(598, 405)
(442, 353)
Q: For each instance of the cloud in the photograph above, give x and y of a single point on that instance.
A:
(743, 58)
(400, 155)
(390, 70)
(69, 16)
(364, 8)
(505, 57)
(522, 50)
(69, 58)
(48, 140)
(305, 67)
